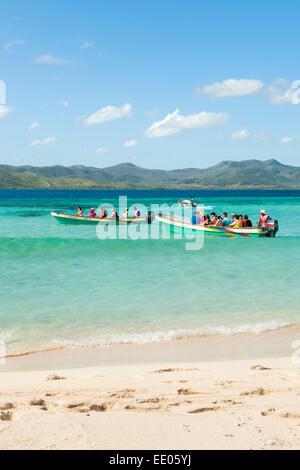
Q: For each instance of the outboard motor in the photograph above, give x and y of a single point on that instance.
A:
(271, 228)
(150, 217)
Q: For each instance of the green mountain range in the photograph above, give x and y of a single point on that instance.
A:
(247, 174)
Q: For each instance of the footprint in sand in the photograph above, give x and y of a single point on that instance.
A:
(286, 415)
(187, 391)
(144, 409)
(151, 400)
(72, 406)
(6, 416)
(54, 377)
(186, 428)
(7, 406)
(184, 402)
(205, 409)
(258, 391)
(162, 371)
(102, 407)
(259, 367)
(37, 402)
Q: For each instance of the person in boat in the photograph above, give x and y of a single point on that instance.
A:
(125, 214)
(244, 223)
(92, 213)
(202, 217)
(207, 220)
(248, 222)
(103, 214)
(219, 222)
(213, 218)
(264, 217)
(232, 217)
(236, 223)
(137, 212)
(225, 220)
(114, 214)
(79, 212)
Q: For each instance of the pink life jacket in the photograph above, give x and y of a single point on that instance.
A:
(263, 219)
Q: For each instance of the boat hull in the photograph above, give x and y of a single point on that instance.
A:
(182, 226)
(69, 219)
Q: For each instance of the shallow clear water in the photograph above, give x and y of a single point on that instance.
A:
(60, 284)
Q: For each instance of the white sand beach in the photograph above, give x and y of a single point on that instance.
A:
(249, 403)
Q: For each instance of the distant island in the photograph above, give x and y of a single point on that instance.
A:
(247, 174)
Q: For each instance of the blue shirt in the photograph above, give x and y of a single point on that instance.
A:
(226, 222)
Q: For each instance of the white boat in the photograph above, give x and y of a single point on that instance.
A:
(187, 203)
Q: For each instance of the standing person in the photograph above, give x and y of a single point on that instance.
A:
(263, 218)
(248, 222)
(225, 220)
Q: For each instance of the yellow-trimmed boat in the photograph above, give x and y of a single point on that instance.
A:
(85, 220)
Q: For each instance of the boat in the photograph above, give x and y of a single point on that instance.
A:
(187, 202)
(184, 226)
(85, 220)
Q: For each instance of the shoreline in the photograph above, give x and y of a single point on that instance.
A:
(271, 343)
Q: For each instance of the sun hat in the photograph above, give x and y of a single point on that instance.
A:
(263, 211)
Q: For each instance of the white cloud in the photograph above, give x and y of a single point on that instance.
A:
(130, 143)
(66, 103)
(286, 140)
(49, 59)
(282, 92)
(34, 125)
(46, 141)
(241, 134)
(261, 135)
(175, 123)
(4, 111)
(232, 87)
(101, 150)
(110, 113)
(87, 45)
(8, 46)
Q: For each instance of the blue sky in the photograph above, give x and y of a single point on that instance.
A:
(162, 84)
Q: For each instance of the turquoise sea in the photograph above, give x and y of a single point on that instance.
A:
(61, 285)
